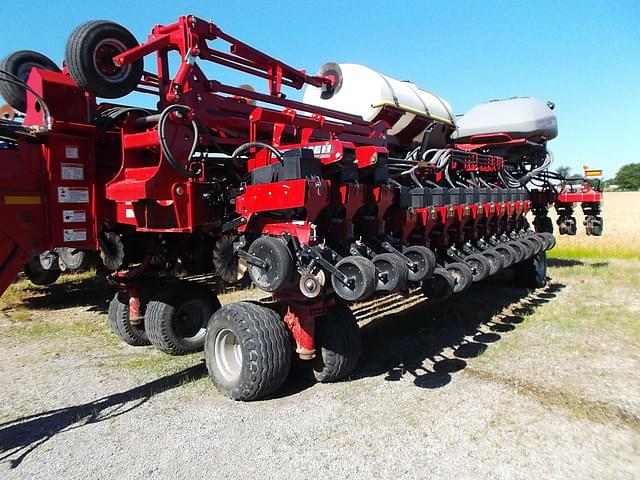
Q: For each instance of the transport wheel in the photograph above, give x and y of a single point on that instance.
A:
(43, 269)
(495, 261)
(391, 272)
(532, 273)
(440, 286)
(519, 251)
(20, 64)
(338, 344)
(89, 57)
(177, 316)
(462, 275)
(507, 253)
(425, 261)
(362, 279)
(280, 265)
(548, 239)
(247, 350)
(480, 266)
(121, 325)
(74, 259)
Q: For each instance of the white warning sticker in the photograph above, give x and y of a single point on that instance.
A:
(73, 195)
(72, 171)
(71, 151)
(74, 216)
(75, 235)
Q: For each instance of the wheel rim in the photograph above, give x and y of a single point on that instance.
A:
(25, 69)
(191, 318)
(103, 60)
(388, 278)
(421, 262)
(228, 354)
(355, 277)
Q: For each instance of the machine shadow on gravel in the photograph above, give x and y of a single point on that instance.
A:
(431, 341)
(18, 438)
(93, 292)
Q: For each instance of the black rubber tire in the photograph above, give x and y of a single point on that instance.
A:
(38, 275)
(495, 261)
(519, 251)
(532, 273)
(480, 266)
(20, 64)
(338, 344)
(527, 248)
(391, 272)
(279, 260)
(120, 324)
(168, 312)
(363, 271)
(425, 259)
(264, 348)
(536, 243)
(507, 253)
(462, 275)
(80, 54)
(548, 239)
(440, 286)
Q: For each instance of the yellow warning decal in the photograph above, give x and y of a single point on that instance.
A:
(22, 200)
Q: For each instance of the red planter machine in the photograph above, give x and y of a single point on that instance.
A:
(318, 206)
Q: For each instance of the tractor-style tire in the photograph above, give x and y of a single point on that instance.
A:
(363, 273)
(440, 286)
(507, 253)
(89, 57)
(548, 239)
(38, 275)
(338, 344)
(247, 350)
(536, 243)
(495, 261)
(519, 250)
(177, 316)
(121, 325)
(280, 264)
(425, 260)
(480, 266)
(462, 275)
(20, 64)
(528, 249)
(391, 272)
(532, 273)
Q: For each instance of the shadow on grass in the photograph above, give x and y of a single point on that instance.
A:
(93, 291)
(18, 438)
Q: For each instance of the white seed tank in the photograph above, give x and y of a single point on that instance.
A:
(521, 117)
(361, 91)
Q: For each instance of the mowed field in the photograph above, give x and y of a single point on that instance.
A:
(497, 382)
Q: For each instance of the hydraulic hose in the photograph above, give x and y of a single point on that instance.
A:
(163, 140)
(46, 113)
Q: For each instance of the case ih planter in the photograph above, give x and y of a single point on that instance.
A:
(367, 187)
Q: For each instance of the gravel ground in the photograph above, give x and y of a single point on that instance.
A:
(481, 386)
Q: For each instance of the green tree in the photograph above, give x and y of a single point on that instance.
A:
(564, 171)
(628, 177)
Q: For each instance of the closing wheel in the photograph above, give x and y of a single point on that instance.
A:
(519, 251)
(89, 57)
(424, 262)
(507, 253)
(361, 275)
(247, 350)
(177, 316)
(43, 269)
(391, 271)
(480, 266)
(338, 344)
(121, 324)
(440, 286)
(462, 275)
(532, 273)
(526, 247)
(495, 261)
(20, 64)
(548, 239)
(280, 266)
(536, 243)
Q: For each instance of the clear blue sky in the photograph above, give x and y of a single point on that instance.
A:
(583, 55)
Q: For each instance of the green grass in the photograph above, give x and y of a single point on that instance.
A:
(603, 252)
(158, 363)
